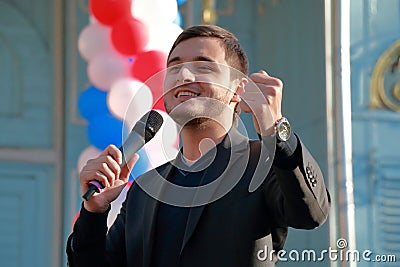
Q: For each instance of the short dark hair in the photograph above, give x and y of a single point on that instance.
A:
(235, 55)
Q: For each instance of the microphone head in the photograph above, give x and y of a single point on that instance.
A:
(152, 121)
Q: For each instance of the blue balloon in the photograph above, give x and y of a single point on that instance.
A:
(106, 129)
(92, 102)
(141, 165)
(180, 2)
(178, 19)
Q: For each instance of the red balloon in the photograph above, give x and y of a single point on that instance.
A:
(159, 104)
(109, 11)
(149, 67)
(156, 85)
(129, 36)
(148, 64)
(75, 219)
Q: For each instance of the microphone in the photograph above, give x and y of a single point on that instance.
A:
(143, 131)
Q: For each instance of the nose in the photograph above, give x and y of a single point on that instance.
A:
(185, 75)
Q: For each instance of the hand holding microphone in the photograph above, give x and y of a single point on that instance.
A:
(111, 169)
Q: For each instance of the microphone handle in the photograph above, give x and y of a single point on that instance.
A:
(95, 187)
(132, 144)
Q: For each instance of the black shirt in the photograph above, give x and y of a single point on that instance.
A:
(171, 223)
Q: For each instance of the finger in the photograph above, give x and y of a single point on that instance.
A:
(269, 91)
(254, 106)
(244, 107)
(105, 164)
(263, 79)
(264, 91)
(266, 79)
(95, 175)
(252, 87)
(254, 96)
(97, 164)
(112, 164)
(260, 74)
(114, 152)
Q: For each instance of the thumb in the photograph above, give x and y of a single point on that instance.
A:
(126, 170)
(263, 72)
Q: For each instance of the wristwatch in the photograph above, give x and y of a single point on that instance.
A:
(283, 129)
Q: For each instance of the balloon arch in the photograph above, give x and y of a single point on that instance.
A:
(126, 43)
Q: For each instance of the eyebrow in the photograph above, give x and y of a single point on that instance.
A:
(196, 58)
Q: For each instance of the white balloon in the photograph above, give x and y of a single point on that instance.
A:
(163, 146)
(159, 156)
(106, 68)
(94, 39)
(154, 11)
(116, 206)
(90, 152)
(92, 19)
(162, 36)
(129, 99)
(168, 133)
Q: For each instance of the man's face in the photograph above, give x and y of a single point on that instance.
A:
(198, 84)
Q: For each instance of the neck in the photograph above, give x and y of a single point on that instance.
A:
(199, 139)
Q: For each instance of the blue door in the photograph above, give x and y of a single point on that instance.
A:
(41, 134)
(375, 52)
(31, 134)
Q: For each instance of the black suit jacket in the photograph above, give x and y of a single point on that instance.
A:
(238, 228)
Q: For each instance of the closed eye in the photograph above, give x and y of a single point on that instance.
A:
(205, 67)
(174, 68)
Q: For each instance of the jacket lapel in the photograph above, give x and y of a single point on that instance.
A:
(151, 207)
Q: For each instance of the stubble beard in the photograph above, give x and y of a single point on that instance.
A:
(197, 115)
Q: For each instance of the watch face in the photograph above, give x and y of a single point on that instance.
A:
(284, 130)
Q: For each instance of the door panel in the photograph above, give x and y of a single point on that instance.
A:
(375, 27)
(26, 220)
(31, 158)
(26, 96)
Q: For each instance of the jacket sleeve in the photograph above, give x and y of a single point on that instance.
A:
(86, 245)
(295, 191)
(91, 244)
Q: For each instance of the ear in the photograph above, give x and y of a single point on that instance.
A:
(238, 87)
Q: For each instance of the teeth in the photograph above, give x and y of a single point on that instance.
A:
(185, 93)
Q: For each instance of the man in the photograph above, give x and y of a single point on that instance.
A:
(220, 202)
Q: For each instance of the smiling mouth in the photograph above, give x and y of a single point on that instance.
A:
(186, 93)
